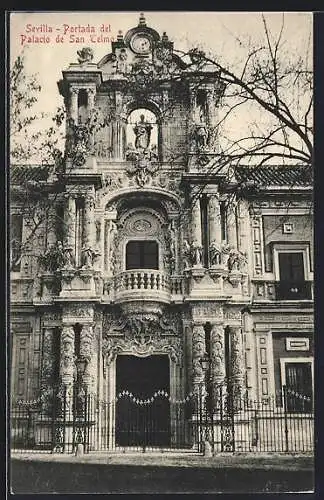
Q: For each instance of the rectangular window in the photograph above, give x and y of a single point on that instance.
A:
(292, 285)
(16, 225)
(142, 255)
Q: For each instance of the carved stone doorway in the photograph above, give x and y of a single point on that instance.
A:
(143, 407)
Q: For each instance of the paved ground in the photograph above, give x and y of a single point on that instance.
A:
(154, 473)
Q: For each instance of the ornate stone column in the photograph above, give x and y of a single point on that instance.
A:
(69, 222)
(198, 350)
(211, 108)
(193, 108)
(74, 92)
(91, 98)
(88, 353)
(231, 224)
(217, 361)
(51, 224)
(196, 232)
(89, 226)
(214, 220)
(237, 365)
(47, 368)
(67, 366)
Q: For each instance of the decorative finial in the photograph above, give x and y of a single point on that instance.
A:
(120, 36)
(142, 21)
(165, 37)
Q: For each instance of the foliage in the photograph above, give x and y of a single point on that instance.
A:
(52, 259)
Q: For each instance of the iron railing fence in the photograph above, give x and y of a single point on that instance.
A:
(59, 423)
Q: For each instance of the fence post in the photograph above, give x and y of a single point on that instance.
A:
(285, 416)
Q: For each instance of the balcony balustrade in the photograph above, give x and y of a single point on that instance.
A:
(142, 284)
(282, 290)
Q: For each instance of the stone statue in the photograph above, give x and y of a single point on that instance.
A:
(201, 137)
(122, 64)
(69, 262)
(215, 254)
(186, 254)
(85, 55)
(196, 254)
(143, 133)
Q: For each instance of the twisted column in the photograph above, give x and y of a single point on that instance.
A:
(217, 368)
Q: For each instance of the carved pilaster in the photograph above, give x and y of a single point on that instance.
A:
(214, 220)
(67, 364)
(89, 227)
(48, 366)
(69, 222)
(237, 365)
(198, 351)
(251, 373)
(51, 225)
(217, 355)
(231, 224)
(74, 92)
(196, 233)
(88, 353)
(91, 98)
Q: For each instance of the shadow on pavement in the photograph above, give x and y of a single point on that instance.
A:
(55, 477)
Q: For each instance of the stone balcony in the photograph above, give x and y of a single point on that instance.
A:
(266, 290)
(142, 284)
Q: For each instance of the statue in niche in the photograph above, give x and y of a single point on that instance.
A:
(201, 137)
(122, 64)
(143, 133)
(215, 253)
(68, 257)
(87, 257)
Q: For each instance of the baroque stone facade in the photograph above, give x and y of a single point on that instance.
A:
(156, 259)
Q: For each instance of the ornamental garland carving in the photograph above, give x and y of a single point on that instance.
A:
(143, 346)
(207, 310)
(78, 311)
(145, 327)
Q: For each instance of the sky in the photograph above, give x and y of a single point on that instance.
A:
(219, 33)
(223, 36)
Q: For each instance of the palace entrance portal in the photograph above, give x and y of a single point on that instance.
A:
(143, 406)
